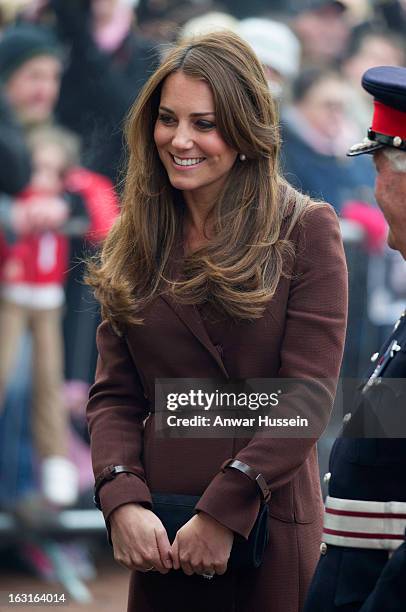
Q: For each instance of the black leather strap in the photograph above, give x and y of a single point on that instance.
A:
(257, 477)
(109, 473)
(387, 140)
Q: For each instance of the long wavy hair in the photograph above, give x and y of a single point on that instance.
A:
(239, 268)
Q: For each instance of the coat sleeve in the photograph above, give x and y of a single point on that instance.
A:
(311, 349)
(116, 411)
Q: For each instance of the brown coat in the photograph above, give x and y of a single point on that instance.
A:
(301, 335)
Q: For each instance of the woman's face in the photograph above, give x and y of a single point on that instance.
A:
(192, 150)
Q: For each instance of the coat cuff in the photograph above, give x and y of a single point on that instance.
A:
(123, 489)
(233, 500)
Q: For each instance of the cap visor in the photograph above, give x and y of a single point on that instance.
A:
(362, 148)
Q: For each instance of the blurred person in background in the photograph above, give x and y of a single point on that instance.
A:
(30, 73)
(368, 47)
(31, 67)
(33, 271)
(13, 151)
(30, 70)
(108, 62)
(278, 49)
(322, 28)
(316, 133)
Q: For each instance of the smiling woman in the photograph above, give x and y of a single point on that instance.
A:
(205, 101)
(194, 154)
(216, 269)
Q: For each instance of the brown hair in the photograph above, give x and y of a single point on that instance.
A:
(240, 267)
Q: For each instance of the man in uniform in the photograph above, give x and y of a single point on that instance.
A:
(362, 566)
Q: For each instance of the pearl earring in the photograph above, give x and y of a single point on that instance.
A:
(242, 157)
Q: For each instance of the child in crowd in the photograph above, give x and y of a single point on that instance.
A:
(33, 268)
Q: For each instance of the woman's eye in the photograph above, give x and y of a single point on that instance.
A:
(166, 119)
(205, 125)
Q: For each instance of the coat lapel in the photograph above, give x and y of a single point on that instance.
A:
(189, 314)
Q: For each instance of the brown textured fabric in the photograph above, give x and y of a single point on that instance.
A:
(301, 335)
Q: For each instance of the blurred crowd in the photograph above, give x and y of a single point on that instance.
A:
(69, 72)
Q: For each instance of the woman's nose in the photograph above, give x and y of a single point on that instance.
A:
(182, 139)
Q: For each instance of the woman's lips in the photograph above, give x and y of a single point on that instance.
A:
(186, 166)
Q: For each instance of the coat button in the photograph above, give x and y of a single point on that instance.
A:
(347, 417)
(326, 477)
(323, 548)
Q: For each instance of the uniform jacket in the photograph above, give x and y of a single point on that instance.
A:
(300, 335)
(389, 593)
(371, 469)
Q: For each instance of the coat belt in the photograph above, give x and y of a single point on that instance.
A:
(364, 524)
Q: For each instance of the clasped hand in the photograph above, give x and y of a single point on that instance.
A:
(44, 213)
(140, 542)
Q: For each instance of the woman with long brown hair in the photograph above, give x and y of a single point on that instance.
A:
(215, 269)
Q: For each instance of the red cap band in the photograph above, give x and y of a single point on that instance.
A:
(388, 120)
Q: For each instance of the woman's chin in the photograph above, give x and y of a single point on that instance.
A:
(182, 183)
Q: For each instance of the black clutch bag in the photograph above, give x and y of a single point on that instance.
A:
(176, 510)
